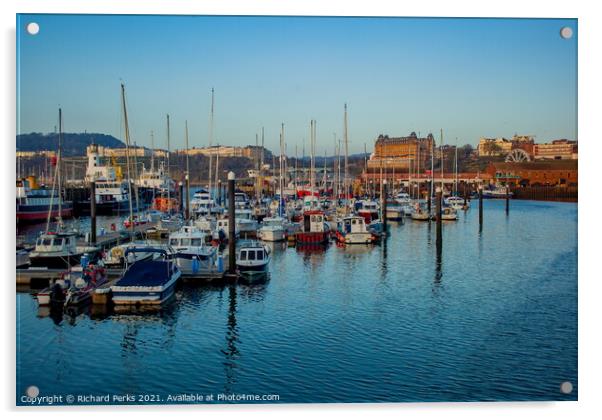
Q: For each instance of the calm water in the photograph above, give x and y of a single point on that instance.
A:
(495, 318)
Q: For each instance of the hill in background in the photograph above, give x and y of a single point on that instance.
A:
(74, 144)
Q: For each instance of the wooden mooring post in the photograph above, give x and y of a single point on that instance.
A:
(480, 208)
(93, 212)
(507, 200)
(439, 199)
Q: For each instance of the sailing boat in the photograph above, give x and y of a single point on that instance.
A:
(57, 248)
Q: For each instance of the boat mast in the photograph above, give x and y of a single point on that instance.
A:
(127, 156)
(152, 135)
(441, 151)
(281, 195)
(312, 141)
(136, 178)
(367, 193)
(217, 167)
(187, 177)
(432, 167)
(345, 136)
(211, 141)
(456, 169)
(334, 168)
(168, 168)
(262, 162)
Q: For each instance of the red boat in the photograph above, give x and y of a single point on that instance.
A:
(315, 229)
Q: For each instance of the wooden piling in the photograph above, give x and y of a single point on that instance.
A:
(439, 199)
(93, 212)
(480, 208)
(383, 205)
(231, 226)
(507, 200)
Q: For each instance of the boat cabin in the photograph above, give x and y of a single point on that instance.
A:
(353, 224)
(56, 242)
(313, 221)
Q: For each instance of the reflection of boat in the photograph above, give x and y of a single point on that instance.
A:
(352, 230)
(253, 259)
(146, 282)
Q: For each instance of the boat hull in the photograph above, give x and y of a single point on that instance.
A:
(32, 214)
(54, 261)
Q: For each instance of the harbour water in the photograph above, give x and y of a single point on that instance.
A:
(494, 317)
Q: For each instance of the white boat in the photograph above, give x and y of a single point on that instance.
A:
(353, 230)
(273, 229)
(147, 282)
(394, 211)
(193, 256)
(496, 192)
(222, 229)
(58, 250)
(115, 257)
(420, 213)
(253, 259)
(457, 203)
(156, 179)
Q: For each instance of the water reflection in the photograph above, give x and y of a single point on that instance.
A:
(231, 351)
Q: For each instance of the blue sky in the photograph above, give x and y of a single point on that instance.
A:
(470, 77)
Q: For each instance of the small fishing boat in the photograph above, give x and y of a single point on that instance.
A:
(497, 191)
(146, 282)
(420, 213)
(192, 255)
(58, 250)
(84, 280)
(222, 229)
(456, 202)
(253, 259)
(273, 229)
(135, 221)
(315, 229)
(395, 211)
(352, 230)
(447, 213)
(367, 209)
(115, 257)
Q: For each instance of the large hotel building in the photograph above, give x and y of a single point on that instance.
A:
(401, 152)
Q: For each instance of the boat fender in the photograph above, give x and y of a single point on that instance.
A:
(195, 265)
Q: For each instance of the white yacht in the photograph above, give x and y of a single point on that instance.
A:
(353, 230)
(192, 255)
(273, 229)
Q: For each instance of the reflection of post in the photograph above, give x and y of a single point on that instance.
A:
(231, 351)
(231, 225)
(480, 208)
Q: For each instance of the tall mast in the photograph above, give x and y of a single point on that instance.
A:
(127, 155)
(346, 139)
(339, 169)
(281, 195)
(262, 159)
(168, 166)
(441, 151)
(312, 179)
(334, 167)
(187, 177)
(456, 169)
(257, 178)
(366, 168)
(152, 135)
(211, 139)
(58, 168)
(136, 176)
(217, 166)
(432, 167)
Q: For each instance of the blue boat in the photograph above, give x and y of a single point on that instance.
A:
(146, 282)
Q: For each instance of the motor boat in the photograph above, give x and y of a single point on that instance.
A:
(146, 282)
(192, 254)
(315, 230)
(353, 230)
(58, 250)
(253, 259)
(115, 257)
(420, 213)
(272, 229)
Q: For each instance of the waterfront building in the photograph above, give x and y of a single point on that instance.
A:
(36, 153)
(251, 152)
(557, 149)
(536, 173)
(501, 146)
(401, 152)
